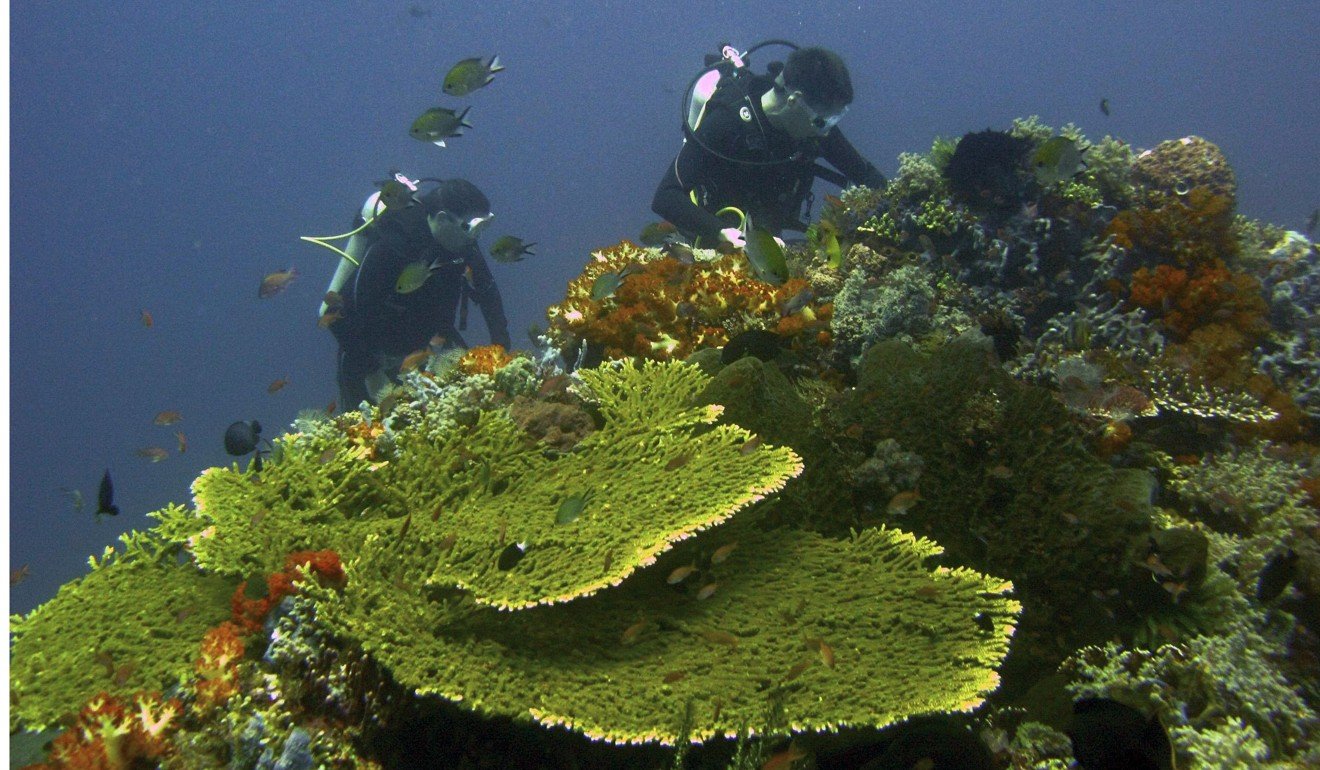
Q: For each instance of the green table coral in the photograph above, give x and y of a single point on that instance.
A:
(129, 625)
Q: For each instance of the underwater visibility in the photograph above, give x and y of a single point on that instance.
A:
(1007, 461)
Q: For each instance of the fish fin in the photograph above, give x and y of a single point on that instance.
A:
(494, 65)
(439, 143)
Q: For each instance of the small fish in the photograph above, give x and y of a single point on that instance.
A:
(447, 543)
(276, 282)
(332, 406)
(766, 256)
(826, 651)
(330, 318)
(829, 244)
(147, 320)
(1275, 576)
(397, 193)
(675, 676)
(1311, 225)
(241, 437)
(679, 252)
(678, 461)
(414, 275)
(796, 302)
(415, 360)
(1106, 733)
(75, 497)
(796, 671)
(720, 637)
(784, 760)
(903, 502)
(1058, 159)
(167, 417)
(105, 497)
(153, 453)
(123, 674)
(723, 552)
(680, 574)
(609, 561)
(1104, 107)
(407, 522)
(707, 591)
(657, 233)
(508, 249)
(631, 633)
(605, 285)
(470, 74)
(276, 385)
(751, 445)
(418, 12)
(17, 576)
(511, 555)
(572, 507)
(333, 300)
(438, 124)
(762, 343)
(183, 441)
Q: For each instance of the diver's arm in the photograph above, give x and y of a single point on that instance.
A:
(486, 294)
(674, 203)
(673, 199)
(840, 153)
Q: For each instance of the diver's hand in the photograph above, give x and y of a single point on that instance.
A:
(733, 236)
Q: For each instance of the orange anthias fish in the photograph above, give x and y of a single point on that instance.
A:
(167, 417)
(147, 320)
(277, 385)
(153, 453)
(415, 360)
(276, 282)
(784, 759)
(183, 441)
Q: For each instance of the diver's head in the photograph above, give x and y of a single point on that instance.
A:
(457, 212)
(810, 94)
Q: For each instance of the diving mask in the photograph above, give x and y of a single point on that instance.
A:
(800, 118)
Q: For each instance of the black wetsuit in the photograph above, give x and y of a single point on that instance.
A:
(379, 322)
(773, 193)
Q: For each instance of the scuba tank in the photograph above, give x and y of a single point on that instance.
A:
(728, 68)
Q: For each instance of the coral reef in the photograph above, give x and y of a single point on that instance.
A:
(1090, 378)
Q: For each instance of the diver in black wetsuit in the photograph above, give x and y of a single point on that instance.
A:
(384, 317)
(752, 144)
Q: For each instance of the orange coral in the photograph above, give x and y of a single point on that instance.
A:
(1186, 230)
(222, 650)
(110, 734)
(667, 309)
(250, 614)
(1209, 293)
(486, 359)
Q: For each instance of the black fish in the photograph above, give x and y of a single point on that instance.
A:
(756, 342)
(1276, 575)
(1104, 107)
(241, 438)
(1108, 735)
(105, 496)
(511, 555)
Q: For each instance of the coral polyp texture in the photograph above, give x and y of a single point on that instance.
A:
(796, 617)
(664, 308)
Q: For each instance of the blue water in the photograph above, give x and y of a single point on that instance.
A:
(166, 156)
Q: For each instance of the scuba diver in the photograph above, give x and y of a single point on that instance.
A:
(751, 142)
(410, 263)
